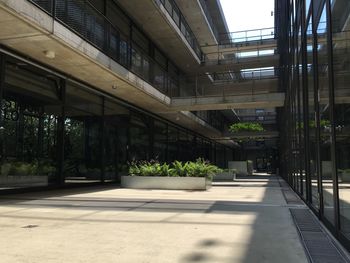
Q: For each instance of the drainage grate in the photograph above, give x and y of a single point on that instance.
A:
(320, 247)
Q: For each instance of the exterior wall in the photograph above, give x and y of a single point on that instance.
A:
(316, 142)
(58, 131)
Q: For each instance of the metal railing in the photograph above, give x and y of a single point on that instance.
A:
(237, 55)
(247, 36)
(174, 12)
(82, 18)
(244, 75)
(231, 83)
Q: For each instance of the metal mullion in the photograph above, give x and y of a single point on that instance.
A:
(102, 142)
(299, 131)
(2, 87)
(167, 143)
(61, 134)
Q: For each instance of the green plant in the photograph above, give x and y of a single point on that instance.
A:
(180, 169)
(134, 169)
(22, 169)
(312, 124)
(199, 168)
(46, 169)
(166, 170)
(246, 127)
(5, 169)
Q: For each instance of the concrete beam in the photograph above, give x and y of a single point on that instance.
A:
(245, 87)
(243, 46)
(242, 135)
(260, 101)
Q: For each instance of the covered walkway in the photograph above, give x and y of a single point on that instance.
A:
(248, 220)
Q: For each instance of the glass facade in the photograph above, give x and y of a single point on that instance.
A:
(315, 159)
(56, 131)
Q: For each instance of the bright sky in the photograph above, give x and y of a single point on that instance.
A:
(248, 14)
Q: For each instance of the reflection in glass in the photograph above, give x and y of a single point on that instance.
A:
(341, 56)
(324, 114)
(28, 139)
(82, 140)
(312, 118)
(160, 141)
(139, 148)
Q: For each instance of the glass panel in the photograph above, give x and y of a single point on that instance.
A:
(139, 148)
(29, 110)
(115, 136)
(341, 56)
(172, 144)
(82, 136)
(324, 111)
(307, 3)
(312, 119)
(160, 141)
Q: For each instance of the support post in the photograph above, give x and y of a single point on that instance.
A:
(61, 134)
(2, 87)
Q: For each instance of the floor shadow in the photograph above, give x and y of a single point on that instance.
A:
(267, 242)
(258, 248)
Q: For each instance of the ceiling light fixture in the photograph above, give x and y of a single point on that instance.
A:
(50, 54)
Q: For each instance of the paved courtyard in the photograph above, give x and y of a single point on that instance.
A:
(243, 221)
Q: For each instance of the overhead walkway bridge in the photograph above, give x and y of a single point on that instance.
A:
(243, 89)
(239, 72)
(243, 49)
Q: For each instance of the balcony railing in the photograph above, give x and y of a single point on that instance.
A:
(174, 11)
(210, 20)
(247, 36)
(82, 18)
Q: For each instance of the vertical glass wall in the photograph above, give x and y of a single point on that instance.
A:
(311, 120)
(324, 109)
(341, 71)
(29, 112)
(324, 124)
(56, 131)
(83, 137)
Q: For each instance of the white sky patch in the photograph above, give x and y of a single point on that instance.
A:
(244, 15)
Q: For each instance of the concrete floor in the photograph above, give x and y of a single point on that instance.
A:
(244, 221)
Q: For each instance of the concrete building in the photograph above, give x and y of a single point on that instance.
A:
(87, 86)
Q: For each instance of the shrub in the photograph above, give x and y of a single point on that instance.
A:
(199, 168)
(180, 169)
(22, 169)
(5, 169)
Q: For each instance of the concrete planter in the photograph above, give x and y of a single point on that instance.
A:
(344, 177)
(242, 167)
(18, 180)
(224, 176)
(165, 183)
